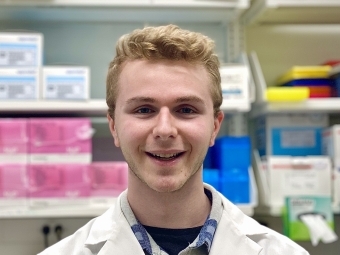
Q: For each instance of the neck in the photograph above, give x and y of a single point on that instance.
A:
(185, 208)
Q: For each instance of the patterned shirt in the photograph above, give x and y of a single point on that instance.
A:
(202, 243)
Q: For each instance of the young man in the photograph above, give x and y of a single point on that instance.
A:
(164, 97)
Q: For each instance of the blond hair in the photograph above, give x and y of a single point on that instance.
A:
(164, 42)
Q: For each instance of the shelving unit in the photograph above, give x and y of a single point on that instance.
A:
(92, 108)
(266, 12)
(122, 11)
(71, 212)
(317, 105)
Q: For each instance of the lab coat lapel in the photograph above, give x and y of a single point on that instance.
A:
(122, 243)
(228, 239)
(122, 240)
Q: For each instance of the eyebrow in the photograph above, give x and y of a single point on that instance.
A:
(183, 99)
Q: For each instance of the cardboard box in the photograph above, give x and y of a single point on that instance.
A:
(290, 134)
(21, 49)
(14, 141)
(108, 180)
(331, 143)
(66, 82)
(297, 176)
(235, 81)
(19, 83)
(55, 140)
(13, 185)
(58, 184)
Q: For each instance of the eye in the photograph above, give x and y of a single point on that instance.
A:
(144, 110)
(186, 110)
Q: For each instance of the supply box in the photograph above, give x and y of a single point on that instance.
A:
(58, 184)
(108, 180)
(55, 140)
(65, 82)
(13, 185)
(282, 176)
(235, 87)
(227, 168)
(19, 83)
(331, 143)
(21, 49)
(290, 134)
(14, 141)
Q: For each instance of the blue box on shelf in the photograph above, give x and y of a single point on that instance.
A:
(231, 152)
(235, 185)
(211, 176)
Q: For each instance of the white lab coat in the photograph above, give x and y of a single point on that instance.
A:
(236, 234)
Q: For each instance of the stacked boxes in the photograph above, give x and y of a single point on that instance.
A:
(60, 157)
(48, 162)
(20, 62)
(229, 169)
(13, 162)
(23, 76)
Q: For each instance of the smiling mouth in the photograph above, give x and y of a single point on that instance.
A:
(165, 157)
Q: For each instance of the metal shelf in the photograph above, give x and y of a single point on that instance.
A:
(122, 11)
(293, 12)
(91, 108)
(72, 212)
(318, 105)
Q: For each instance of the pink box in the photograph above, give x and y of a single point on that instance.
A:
(13, 184)
(108, 178)
(54, 140)
(13, 141)
(69, 181)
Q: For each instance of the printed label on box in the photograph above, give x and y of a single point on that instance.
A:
(18, 49)
(19, 83)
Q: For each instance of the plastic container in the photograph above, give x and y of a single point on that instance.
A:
(308, 82)
(235, 185)
(304, 72)
(277, 94)
(211, 176)
(231, 152)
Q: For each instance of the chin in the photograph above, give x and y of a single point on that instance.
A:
(166, 187)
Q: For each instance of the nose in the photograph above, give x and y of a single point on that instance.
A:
(165, 125)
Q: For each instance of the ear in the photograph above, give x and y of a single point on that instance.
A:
(217, 125)
(113, 130)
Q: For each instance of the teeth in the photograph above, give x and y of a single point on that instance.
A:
(165, 155)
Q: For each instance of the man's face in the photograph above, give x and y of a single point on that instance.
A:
(164, 121)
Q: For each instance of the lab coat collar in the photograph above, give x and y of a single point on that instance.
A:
(234, 233)
(111, 232)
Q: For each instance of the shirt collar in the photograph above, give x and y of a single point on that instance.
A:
(205, 236)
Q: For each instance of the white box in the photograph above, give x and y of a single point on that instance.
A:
(235, 87)
(295, 176)
(290, 134)
(19, 83)
(336, 186)
(21, 49)
(66, 82)
(331, 143)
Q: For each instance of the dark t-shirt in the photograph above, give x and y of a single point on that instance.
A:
(173, 240)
